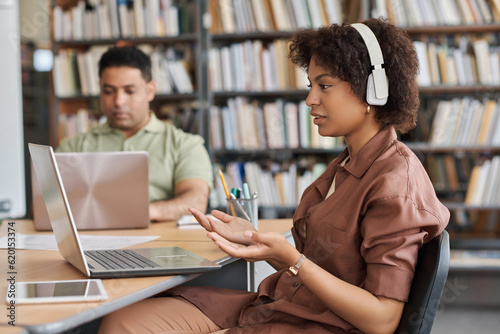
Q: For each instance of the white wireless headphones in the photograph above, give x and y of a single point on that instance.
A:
(377, 88)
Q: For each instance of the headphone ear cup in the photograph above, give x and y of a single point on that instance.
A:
(371, 97)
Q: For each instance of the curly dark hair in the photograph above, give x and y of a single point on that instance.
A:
(129, 56)
(341, 49)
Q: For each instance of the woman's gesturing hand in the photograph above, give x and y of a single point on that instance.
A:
(229, 227)
(269, 246)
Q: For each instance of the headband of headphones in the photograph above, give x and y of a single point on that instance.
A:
(377, 90)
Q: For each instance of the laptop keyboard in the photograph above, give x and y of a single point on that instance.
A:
(121, 259)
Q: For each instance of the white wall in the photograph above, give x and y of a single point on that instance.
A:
(12, 174)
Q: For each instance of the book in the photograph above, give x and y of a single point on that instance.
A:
(432, 59)
(424, 78)
(427, 9)
(104, 21)
(139, 19)
(113, 17)
(485, 11)
(227, 16)
(301, 13)
(465, 12)
(227, 126)
(487, 124)
(77, 18)
(279, 14)
(123, 19)
(227, 81)
(495, 135)
(481, 52)
(451, 173)
(84, 84)
(334, 10)
(492, 183)
(315, 13)
(482, 182)
(292, 124)
(261, 15)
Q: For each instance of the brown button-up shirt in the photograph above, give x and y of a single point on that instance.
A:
(367, 233)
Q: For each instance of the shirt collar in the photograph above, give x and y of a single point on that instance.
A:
(153, 125)
(359, 164)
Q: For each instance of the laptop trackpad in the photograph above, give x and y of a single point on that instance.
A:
(177, 260)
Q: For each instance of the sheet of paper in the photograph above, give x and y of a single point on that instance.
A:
(89, 242)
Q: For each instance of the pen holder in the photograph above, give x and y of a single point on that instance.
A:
(244, 208)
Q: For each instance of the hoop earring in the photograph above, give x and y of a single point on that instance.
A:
(368, 109)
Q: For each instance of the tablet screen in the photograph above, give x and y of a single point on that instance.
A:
(60, 291)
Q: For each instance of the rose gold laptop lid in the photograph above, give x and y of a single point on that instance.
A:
(106, 190)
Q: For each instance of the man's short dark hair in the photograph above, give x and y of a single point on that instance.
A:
(129, 56)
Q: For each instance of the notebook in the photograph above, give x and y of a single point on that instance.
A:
(106, 190)
(103, 263)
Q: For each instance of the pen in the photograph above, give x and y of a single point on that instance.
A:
(227, 192)
(246, 195)
(246, 190)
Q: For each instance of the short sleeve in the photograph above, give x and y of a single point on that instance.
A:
(192, 159)
(393, 231)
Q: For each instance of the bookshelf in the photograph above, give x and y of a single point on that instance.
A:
(471, 221)
(83, 30)
(229, 32)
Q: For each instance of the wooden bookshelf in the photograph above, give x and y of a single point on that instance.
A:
(211, 33)
(189, 36)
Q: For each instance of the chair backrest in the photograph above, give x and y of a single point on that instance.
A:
(427, 287)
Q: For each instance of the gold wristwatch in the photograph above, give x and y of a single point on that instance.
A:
(294, 270)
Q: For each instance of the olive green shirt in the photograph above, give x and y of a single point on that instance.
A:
(173, 155)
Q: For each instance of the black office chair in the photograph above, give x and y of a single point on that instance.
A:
(427, 287)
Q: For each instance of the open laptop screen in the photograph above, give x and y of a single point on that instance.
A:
(56, 202)
(106, 190)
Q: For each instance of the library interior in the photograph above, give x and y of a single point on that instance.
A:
(222, 71)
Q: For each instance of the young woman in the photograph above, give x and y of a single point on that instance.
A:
(358, 227)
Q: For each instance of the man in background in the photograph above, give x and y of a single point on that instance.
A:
(180, 171)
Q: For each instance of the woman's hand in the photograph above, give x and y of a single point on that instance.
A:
(238, 238)
(229, 227)
(272, 247)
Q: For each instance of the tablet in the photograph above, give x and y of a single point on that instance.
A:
(58, 291)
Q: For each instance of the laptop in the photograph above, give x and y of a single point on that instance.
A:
(106, 190)
(104, 263)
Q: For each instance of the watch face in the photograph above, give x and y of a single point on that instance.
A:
(292, 271)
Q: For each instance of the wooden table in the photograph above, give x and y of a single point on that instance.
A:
(42, 265)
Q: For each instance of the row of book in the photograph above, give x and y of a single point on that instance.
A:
(80, 122)
(449, 172)
(240, 16)
(484, 185)
(76, 72)
(283, 184)
(466, 121)
(111, 19)
(253, 66)
(275, 184)
(249, 124)
(442, 12)
(469, 63)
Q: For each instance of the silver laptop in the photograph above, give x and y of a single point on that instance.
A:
(106, 190)
(103, 263)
